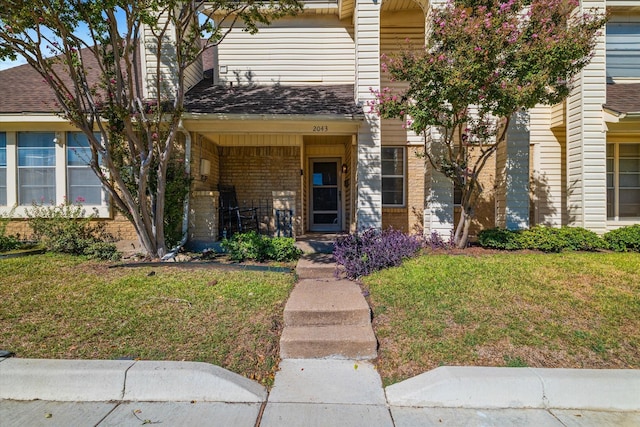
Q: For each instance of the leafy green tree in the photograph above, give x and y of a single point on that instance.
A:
(484, 60)
(89, 53)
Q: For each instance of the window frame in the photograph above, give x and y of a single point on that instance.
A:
(3, 169)
(51, 136)
(69, 166)
(403, 176)
(622, 41)
(17, 208)
(614, 175)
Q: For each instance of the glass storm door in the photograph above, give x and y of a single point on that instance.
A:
(325, 196)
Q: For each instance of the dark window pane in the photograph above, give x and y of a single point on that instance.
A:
(630, 150)
(610, 203)
(325, 199)
(629, 204)
(325, 218)
(325, 173)
(392, 191)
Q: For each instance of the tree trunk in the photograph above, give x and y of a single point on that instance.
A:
(461, 236)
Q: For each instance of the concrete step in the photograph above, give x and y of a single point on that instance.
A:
(317, 265)
(315, 302)
(315, 342)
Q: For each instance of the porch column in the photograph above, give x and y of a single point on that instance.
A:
(369, 175)
(512, 176)
(587, 141)
(203, 218)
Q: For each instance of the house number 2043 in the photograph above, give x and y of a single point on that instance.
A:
(321, 128)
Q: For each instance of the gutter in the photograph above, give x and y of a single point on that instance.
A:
(187, 167)
(274, 117)
(620, 115)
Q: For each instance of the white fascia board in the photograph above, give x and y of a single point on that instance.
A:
(610, 116)
(31, 117)
(273, 117)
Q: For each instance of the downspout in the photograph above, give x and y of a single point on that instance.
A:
(187, 168)
(185, 210)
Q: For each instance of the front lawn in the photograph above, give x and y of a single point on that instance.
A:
(572, 310)
(56, 306)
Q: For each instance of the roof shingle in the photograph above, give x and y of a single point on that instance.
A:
(623, 97)
(206, 97)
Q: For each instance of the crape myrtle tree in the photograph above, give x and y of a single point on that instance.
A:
(484, 61)
(88, 52)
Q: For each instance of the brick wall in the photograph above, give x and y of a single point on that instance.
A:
(202, 148)
(409, 218)
(258, 171)
(118, 226)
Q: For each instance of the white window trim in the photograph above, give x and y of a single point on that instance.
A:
(20, 211)
(404, 177)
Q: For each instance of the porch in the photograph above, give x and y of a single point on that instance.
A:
(293, 184)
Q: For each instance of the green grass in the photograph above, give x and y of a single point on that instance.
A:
(573, 310)
(54, 306)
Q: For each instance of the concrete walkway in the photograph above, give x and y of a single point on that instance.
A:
(330, 391)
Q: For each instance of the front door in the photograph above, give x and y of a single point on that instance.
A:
(325, 195)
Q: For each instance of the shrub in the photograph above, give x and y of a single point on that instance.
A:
(283, 249)
(65, 228)
(103, 250)
(499, 238)
(624, 239)
(362, 254)
(253, 246)
(7, 243)
(546, 239)
(581, 239)
(435, 241)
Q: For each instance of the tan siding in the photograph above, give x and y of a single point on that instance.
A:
(193, 74)
(548, 174)
(303, 50)
(166, 67)
(367, 53)
(257, 140)
(587, 142)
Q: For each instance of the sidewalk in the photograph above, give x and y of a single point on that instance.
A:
(309, 392)
(332, 391)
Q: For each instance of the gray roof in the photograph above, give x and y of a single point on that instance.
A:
(206, 97)
(623, 97)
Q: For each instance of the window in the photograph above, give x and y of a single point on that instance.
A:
(393, 176)
(623, 49)
(457, 194)
(3, 169)
(82, 183)
(623, 181)
(36, 167)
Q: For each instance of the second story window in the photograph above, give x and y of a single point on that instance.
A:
(623, 50)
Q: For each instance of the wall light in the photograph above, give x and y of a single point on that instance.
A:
(345, 169)
(205, 169)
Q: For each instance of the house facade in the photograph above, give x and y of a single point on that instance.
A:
(282, 117)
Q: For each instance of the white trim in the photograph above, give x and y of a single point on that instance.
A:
(19, 211)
